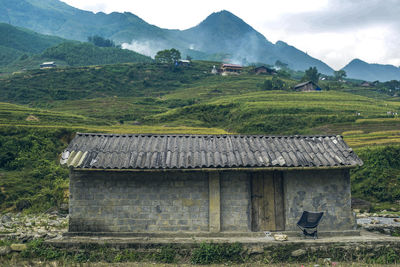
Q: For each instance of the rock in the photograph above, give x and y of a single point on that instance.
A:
(8, 225)
(327, 261)
(52, 235)
(396, 219)
(361, 216)
(18, 247)
(356, 210)
(298, 252)
(5, 250)
(6, 219)
(256, 250)
(53, 223)
(280, 237)
(41, 231)
(374, 221)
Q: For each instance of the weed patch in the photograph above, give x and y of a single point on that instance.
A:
(209, 253)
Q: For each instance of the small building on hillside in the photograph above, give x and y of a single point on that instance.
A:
(230, 69)
(48, 65)
(207, 183)
(366, 84)
(183, 62)
(307, 87)
(264, 70)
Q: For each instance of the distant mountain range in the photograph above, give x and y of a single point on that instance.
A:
(359, 69)
(221, 36)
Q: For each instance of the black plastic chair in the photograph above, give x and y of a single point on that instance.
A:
(308, 223)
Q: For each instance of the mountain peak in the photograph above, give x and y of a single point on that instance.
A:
(364, 71)
(225, 19)
(357, 61)
(223, 13)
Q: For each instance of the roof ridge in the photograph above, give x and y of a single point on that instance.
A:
(209, 135)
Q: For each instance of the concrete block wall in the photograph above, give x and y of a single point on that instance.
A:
(138, 201)
(235, 201)
(316, 191)
(107, 201)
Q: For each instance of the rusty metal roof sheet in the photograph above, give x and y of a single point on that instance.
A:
(154, 151)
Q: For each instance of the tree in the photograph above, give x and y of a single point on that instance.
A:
(283, 74)
(281, 64)
(339, 75)
(100, 41)
(311, 74)
(168, 56)
(274, 84)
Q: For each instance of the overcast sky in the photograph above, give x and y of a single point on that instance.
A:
(335, 31)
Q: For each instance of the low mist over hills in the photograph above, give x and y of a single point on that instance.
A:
(223, 31)
(220, 33)
(222, 36)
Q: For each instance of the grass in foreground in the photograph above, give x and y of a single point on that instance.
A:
(207, 254)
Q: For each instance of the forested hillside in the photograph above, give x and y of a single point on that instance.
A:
(18, 43)
(22, 49)
(84, 54)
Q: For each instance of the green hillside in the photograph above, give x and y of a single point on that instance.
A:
(84, 54)
(42, 109)
(156, 94)
(17, 44)
(22, 49)
(25, 40)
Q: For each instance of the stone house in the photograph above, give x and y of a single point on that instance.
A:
(207, 183)
(307, 87)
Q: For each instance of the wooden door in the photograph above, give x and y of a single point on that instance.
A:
(267, 201)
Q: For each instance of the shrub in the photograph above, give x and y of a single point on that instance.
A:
(379, 178)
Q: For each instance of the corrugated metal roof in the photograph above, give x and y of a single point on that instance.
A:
(231, 66)
(302, 84)
(151, 151)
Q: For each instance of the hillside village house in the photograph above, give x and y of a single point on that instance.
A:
(307, 87)
(48, 65)
(231, 69)
(207, 183)
(264, 70)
